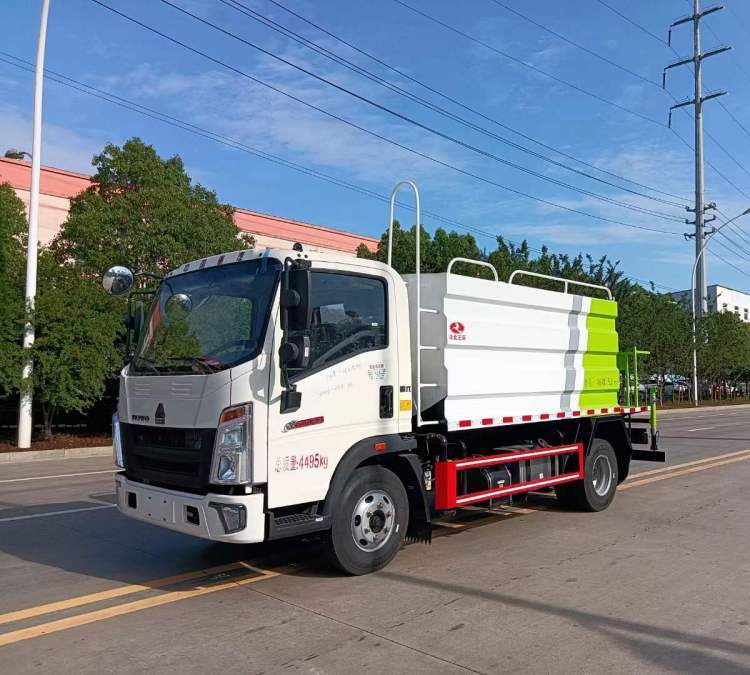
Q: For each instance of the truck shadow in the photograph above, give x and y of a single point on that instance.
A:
(90, 537)
(665, 648)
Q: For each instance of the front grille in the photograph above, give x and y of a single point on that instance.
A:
(176, 458)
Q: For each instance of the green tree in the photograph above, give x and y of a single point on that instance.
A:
(76, 346)
(656, 323)
(435, 251)
(144, 212)
(723, 348)
(13, 227)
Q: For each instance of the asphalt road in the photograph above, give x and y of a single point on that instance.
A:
(660, 582)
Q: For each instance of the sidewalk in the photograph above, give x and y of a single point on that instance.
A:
(66, 453)
(702, 408)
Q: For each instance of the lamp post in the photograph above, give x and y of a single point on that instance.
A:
(692, 297)
(24, 409)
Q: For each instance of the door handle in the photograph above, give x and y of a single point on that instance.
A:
(386, 401)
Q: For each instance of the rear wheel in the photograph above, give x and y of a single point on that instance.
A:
(597, 489)
(369, 521)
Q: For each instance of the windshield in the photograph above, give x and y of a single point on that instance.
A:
(208, 320)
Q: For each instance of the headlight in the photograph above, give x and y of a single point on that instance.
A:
(117, 441)
(233, 448)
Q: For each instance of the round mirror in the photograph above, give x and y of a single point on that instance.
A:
(117, 280)
(178, 305)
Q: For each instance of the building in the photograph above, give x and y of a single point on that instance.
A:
(59, 186)
(722, 299)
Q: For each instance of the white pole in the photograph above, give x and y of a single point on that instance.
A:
(24, 411)
(693, 299)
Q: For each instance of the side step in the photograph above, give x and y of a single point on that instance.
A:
(447, 475)
(296, 524)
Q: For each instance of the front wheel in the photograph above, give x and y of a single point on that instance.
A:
(369, 521)
(597, 489)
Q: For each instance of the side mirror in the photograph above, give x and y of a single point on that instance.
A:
(291, 400)
(296, 318)
(118, 280)
(295, 351)
(295, 299)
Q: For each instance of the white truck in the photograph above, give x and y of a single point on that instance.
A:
(275, 393)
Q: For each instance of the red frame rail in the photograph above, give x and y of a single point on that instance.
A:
(446, 475)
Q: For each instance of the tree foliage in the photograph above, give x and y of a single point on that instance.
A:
(78, 330)
(144, 212)
(12, 264)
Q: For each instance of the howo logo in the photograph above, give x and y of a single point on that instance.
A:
(457, 328)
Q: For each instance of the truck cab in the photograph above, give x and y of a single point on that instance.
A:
(231, 428)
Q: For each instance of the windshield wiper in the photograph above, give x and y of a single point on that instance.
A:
(199, 361)
(140, 360)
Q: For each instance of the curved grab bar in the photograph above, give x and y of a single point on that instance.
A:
(399, 185)
(563, 280)
(480, 263)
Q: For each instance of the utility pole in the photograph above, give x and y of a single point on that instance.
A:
(699, 299)
(24, 409)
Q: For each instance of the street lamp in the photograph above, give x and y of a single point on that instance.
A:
(692, 297)
(17, 154)
(25, 421)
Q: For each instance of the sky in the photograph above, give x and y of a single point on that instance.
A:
(542, 121)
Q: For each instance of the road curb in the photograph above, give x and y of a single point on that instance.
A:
(702, 408)
(66, 453)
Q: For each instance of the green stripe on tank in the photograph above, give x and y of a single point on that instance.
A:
(601, 377)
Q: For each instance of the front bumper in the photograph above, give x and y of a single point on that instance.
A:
(169, 508)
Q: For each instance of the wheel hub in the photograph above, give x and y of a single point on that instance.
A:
(373, 520)
(602, 475)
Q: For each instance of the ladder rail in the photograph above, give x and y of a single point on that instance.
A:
(420, 310)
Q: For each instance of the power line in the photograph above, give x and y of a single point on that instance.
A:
(309, 44)
(724, 260)
(530, 66)
(165, 118)
(575, 44)
(372, 133)
(425, 127)
(634, 23)
(453, 100)
(736, 61)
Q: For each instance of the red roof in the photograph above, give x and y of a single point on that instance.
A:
(62, 183)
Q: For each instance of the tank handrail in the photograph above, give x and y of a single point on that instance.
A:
(469, 261)
(563, 280)
(418, 290)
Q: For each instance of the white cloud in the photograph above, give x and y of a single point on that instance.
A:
(60, 146)
(234, 106)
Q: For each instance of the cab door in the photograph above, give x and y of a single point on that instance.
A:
(349, 388)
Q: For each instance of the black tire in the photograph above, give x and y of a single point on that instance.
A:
(597, 490)
(364, 556)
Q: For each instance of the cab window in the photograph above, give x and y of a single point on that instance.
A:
(348, 317)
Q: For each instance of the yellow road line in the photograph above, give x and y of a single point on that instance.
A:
(118, 592)
(705, 460)
(130, 607)
(683, 472)
(643, 478)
